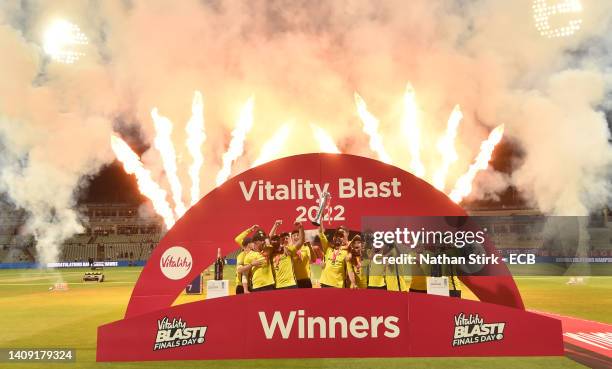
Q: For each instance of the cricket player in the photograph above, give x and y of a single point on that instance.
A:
(336, 258)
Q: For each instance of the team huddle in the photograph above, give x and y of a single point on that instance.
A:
(280, 261)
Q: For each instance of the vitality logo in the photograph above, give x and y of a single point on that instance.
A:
(473, 329)
(176, 333)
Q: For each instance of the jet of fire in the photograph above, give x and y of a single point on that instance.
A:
(272, 148)
(163, 143)
(410, 129)
(146, 185)
(464, 184)
(446, 147)
(236, 146)
(326, 142)
(370, 127)
(195, 138)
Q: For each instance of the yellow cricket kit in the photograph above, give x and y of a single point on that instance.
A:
(334, 269)
(361, 278)
(376, 276)
(239, 263)
(283, 270)
(242, 236)
(261, 276)
(392, 283)
(301, 262)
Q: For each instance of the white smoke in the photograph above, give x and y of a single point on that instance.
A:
(303, 61)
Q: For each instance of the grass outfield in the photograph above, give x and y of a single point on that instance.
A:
(32, 316)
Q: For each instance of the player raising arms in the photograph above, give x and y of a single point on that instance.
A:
(257, 263)
(246, 244)
(302, 254)
(301, 262)
(284, 250)
(336, 261)
(356, 274)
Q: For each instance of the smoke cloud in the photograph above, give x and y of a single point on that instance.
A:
(303, 61)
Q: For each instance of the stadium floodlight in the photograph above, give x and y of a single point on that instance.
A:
(542, 12)
(60, 39)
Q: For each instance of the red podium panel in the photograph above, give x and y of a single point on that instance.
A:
(330, 323)
(319, 322)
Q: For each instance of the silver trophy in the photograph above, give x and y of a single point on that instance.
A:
(323, 202)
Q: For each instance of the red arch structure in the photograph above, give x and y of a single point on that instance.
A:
(286, 185)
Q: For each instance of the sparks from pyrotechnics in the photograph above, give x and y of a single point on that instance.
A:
(411, 131)
(196, 137)
(463, 187)
(446, 147)
(370, 127)
(272, 150)
(326, 142)
(236, 145)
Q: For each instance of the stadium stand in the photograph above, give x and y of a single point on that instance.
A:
(117, 232)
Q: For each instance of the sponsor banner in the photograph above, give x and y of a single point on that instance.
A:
(472, 328)
(329, 323)
(82, 264)
(121, 263)
(289, 189)
(325, 322)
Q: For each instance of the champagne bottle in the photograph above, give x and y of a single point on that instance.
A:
(219, 266)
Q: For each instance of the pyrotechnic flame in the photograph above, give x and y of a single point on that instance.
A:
(410, 129)
(370, 127)
(446, 147)
(464, 184)
(195, 138)
(163, 143)
(60, 37)
(146, 185)
(273, 147)
(236, 146)
(326, 142)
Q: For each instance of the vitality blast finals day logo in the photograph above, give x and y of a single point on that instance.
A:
(176, 333)
(176, 262)
(472, 329)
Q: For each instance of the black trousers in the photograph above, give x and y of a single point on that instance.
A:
(327, 286)
(269, 287)
(239, 289)
(304, 283)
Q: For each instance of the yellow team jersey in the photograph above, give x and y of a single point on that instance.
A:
(239, 263)
(301, 262)
(361, 278)
(419, 283)
(392, 282)
(283, 270)
(334, 272)
(376, 275)
(242, 236)
(261, 276)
